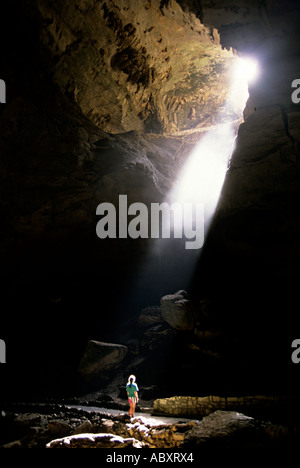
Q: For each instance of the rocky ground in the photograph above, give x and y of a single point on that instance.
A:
(59, 426)
(100, 420)
(53, 425)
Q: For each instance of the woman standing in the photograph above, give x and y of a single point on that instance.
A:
(132, 393)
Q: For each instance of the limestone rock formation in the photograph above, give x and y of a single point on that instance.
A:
(95, 441)
(178, 311)
(150, 316)
(101, 358)
(199, 407)
(137, 66)
(227, 429)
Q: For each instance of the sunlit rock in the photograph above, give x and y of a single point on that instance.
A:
(136, 66)
(95, 441)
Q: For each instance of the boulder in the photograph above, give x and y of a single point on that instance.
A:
(85, 427)
(178, 311)
(227, 429)
(101, 358)
(59, 428)
(95, 441)
(150, 316)
(157, 338)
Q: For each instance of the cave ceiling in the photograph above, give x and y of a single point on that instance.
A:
(136, 66)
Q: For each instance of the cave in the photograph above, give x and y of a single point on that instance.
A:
(103, 105)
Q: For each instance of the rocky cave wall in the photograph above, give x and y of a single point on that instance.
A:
(256, 225)
(106, 98)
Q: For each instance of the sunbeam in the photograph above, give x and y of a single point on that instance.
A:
(173, 256)
(203, 174)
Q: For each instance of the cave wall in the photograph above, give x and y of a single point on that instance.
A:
(251, 256)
